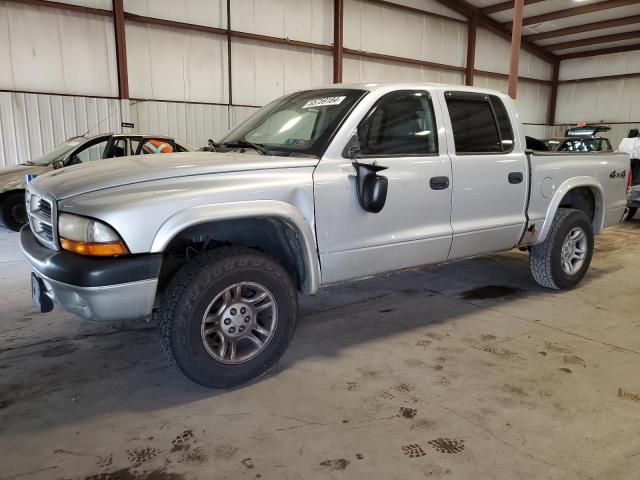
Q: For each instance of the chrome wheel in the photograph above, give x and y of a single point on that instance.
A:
(574, 251)
(239, 323)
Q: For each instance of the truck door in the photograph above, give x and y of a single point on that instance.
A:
(490, 178)
(399, 132)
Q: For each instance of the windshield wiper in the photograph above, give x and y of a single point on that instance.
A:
(246, 144)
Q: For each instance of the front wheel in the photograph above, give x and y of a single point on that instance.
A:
(228, 316)
(13, 211)
(562, 260)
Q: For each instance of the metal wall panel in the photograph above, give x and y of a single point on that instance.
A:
(492, 55)
(240, 114)
(306, 20)
(613, 64)
(173, 64)
(50, 50)
(537, 131)
(212, 13)
(599, 101)
(431, 6)
(32, 124)
(390, 31)
(262, 71)
(193, 123)
(360, 69)
(533, 98)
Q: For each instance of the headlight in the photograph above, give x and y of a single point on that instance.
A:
(87, 236)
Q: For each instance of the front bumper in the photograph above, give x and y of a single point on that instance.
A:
(99, 289)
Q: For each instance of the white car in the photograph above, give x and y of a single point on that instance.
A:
(74, 151)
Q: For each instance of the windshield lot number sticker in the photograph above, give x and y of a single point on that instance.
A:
(324, 102)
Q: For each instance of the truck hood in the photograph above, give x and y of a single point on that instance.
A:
(99, 175)
(13, 178)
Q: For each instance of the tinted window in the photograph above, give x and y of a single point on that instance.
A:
(400, 124)
(504, 124)
(474, 127)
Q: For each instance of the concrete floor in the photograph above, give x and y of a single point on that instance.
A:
(463, 371)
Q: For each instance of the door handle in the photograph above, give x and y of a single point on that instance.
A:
(516, 177)
(439, 183)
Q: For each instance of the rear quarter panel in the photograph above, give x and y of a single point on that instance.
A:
(555, 174)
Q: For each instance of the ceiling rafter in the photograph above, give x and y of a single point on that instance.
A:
(616, 37)
(587, 27)
(468, 10)
(502, 6)
(601, 51)
(572, 12)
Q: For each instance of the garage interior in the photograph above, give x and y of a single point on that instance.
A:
(456, 371)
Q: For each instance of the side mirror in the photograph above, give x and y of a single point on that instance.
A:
(372, 188)
(57, 164)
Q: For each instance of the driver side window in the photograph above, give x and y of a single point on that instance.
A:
(88, 153)
(402, 123)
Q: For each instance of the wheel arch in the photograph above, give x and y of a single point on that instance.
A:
(277, 228)
(582, 193)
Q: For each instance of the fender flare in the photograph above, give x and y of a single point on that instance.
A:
(282, 211)
(563, 189)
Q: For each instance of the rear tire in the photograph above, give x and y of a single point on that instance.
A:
(562, 260)
(217, 311)
(13, 211)
(629, 213)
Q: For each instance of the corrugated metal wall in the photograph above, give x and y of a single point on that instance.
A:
(380, 29)
(32, 124)
(56, 51)
(615, 100)
(178, 78)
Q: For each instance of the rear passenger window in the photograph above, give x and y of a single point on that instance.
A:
(504, 124)
(480, 123)
(401, 123)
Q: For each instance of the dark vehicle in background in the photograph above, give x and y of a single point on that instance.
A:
(580, 139)
(631, 146)
(74, 151)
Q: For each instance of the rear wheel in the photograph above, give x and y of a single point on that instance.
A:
(228, 316)
(562, 260)
(13, 211)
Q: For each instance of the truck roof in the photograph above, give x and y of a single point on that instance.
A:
(373, 86)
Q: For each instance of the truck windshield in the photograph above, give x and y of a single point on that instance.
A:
(58, 152)
(302, 122)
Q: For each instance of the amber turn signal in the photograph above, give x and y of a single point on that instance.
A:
(111, 249)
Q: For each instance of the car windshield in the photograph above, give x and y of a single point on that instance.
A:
(60, 151)
(302, 122)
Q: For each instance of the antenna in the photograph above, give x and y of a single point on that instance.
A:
(110, 115)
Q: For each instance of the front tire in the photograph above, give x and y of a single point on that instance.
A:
(227, 316)
(13, 211)
(562, 260)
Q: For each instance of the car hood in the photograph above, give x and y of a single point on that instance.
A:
(12, 178)
(71, 181)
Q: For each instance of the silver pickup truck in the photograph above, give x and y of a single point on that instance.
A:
(318, 187)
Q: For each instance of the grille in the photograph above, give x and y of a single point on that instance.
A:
(41, 219)
(45, 207)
